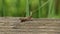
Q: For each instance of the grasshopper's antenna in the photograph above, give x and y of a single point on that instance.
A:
(30, 13)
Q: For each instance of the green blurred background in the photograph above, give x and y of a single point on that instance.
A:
(23, 8)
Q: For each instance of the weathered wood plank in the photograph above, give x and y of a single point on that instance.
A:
(12, 25)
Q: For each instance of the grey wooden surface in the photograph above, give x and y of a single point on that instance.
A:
(12, 25)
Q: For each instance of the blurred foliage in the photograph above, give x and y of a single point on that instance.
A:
(22, 8)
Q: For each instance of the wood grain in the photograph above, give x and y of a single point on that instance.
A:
(12, 25)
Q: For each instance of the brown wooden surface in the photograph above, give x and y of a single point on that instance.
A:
(12, 25)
